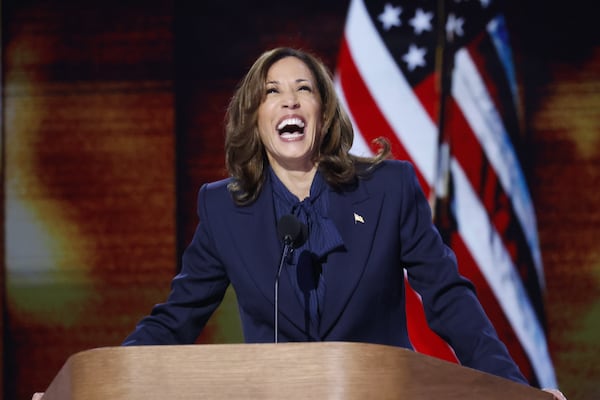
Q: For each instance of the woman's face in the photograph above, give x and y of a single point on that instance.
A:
(289, 118)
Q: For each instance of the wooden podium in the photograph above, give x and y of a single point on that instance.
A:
(324, 370)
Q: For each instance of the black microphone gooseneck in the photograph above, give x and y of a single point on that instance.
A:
(292, 232)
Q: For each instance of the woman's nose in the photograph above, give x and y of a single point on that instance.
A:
(290, 100)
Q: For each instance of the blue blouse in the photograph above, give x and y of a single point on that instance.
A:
(305, 264)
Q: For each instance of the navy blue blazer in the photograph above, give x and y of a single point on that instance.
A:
(364, 300)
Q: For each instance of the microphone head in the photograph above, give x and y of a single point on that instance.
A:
(291, 231)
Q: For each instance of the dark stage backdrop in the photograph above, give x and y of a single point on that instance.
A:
(112, 119)
(89, 167)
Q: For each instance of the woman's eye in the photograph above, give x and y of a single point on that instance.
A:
(271, 90)
(307, 88)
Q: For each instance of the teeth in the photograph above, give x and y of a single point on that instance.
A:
(290, 121)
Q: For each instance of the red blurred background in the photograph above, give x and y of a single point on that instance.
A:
(112, 119)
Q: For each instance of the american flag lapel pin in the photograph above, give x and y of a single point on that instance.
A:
(358, 218)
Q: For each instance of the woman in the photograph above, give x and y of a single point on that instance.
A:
(366, 220)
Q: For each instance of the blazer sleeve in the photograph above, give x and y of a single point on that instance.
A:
(449, 300)
(195, 293)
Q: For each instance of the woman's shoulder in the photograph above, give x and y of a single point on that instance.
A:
(392, 169)
(219, 185)
(389, 175)
(395, 166)
(215, 190)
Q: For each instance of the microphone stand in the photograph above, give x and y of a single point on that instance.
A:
(287, 242)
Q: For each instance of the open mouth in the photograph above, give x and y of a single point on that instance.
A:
(291, 127)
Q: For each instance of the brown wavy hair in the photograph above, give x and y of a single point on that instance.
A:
(245, 155)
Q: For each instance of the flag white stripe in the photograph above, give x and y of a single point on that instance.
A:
(472, 97)
(488, 251)
(497, 30)
(393, 94)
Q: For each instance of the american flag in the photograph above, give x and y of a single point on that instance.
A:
(437, 79)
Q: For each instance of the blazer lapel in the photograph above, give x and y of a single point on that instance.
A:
(260, 253)
(356, 215)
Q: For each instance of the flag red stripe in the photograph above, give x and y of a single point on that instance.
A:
(428, 94)
(423, 339)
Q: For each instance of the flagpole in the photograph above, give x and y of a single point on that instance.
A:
(440, 195)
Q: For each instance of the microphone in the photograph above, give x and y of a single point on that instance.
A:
(293, 233)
